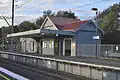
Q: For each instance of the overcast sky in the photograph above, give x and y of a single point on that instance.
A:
(31, 9)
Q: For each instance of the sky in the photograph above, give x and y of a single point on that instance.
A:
(29, 10)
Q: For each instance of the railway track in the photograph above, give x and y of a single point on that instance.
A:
(34, 72)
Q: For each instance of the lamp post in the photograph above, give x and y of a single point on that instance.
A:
(96, 10)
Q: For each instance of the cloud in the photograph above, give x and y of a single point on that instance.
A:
(31, 9)
(64, 2)
(3, 1)
(19, 18)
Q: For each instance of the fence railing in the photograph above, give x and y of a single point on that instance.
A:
(93, 71)
(103, 50)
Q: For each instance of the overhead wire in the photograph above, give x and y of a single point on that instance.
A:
(73, 9)
(88, 4)
(32, 7)
(24, 3)
(21, 6)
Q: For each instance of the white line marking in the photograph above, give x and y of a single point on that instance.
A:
(12, 74)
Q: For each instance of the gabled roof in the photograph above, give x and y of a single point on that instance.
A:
(87, 22)
(74, 25)
(66, 23)
(62, 20)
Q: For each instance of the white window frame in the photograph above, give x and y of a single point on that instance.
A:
(32, 44)
(64, 45)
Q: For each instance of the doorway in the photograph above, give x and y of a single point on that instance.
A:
(40, 46)
(56, 47)
(67, 47)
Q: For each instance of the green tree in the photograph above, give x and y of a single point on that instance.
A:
(48, 13)
(109, 19)
(67, 14)
(39, 21)
(26, 25)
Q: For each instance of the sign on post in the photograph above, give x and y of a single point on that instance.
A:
(96, 37)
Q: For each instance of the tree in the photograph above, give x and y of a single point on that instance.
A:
(109, 19)
(39, 21)
(48, 13)
(67, 14)
(26, 25)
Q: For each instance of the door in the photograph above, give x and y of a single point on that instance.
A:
(68, 47)
(56, 47)
(40, 47)
(24, 46)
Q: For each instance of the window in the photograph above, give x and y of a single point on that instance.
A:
(24, 45)
(48, 44)
(32, 45)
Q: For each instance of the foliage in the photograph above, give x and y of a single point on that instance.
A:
(39, 21)
(48, 13)
(26, 25)
(111, 38)
(109, 19)
(66, 14)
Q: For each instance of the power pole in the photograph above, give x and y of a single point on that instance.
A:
(12, 23)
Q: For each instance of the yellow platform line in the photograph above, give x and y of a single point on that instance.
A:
(6, 78)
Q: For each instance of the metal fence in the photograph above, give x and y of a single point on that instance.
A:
(103, 50)
(93, 71)
(11, 47)
(89, 50)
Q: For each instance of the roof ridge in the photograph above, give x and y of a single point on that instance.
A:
(76, 22)
(63, 17)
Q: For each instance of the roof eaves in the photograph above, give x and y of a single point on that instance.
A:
(97, 26)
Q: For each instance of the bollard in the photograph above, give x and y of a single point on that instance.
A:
(91, 73)
(102, 75)
(116, 75)
(81, 70)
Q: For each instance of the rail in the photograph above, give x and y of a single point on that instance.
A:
(93, 71)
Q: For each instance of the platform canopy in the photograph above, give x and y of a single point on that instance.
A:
(42, 33)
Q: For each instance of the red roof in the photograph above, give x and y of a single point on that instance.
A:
(66, 23)
(74, 25)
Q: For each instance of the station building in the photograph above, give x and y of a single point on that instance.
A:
(61, 36)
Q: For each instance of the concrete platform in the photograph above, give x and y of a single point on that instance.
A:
(100, 61)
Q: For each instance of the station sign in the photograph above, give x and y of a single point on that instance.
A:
(96, 37)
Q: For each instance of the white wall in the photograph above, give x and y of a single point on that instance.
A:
(48, 49)
(28, 44)
(50, 24)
